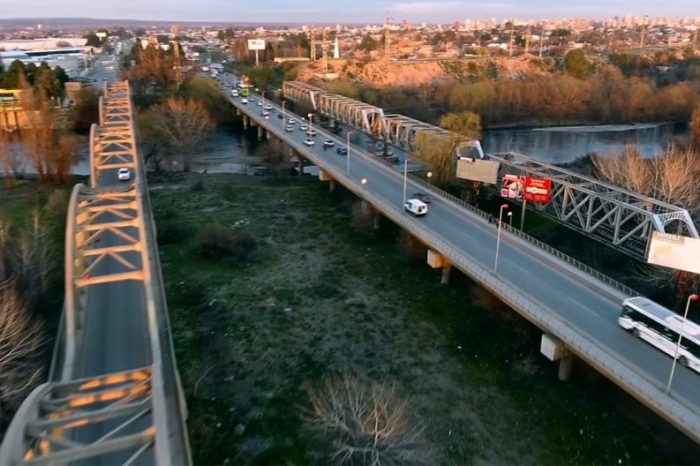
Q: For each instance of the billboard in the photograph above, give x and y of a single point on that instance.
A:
(677, 252)
(512, 186)
(538, 190)
(485, 171)
(256, 44)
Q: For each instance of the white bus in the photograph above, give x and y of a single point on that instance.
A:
(660, 327)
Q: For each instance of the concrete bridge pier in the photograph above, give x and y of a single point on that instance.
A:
(260, 133)
(438, 261)
(245, 121)
(325, 176)
(554, 350)
(365, 207)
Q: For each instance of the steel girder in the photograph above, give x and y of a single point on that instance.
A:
(62, 420)
(351, 112)
(398, 130)
(608, 213)
(132, 410)
(103, 211)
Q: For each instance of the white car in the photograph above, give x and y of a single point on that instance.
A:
(303, 128)
(311, 132)
(244, 100)
(416, 207)
(124, 174)
(291, 121)
(309, 142)
(259, 104)
(268, 107)
(288, 129)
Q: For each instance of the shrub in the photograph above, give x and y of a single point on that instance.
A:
(218, 241)
(169, 233)
(365, 424)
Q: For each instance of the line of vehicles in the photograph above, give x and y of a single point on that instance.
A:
(645, 319)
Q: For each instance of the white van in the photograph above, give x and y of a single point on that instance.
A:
(234, 92)
(416, 207)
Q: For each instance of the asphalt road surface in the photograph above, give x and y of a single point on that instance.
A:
(559, 287)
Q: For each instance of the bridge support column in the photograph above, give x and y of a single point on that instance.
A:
(365, 207)
(245, 122)
(325, 176)
(555, 350)
(438, 261)
(375, 220)
(267, 135)
(300, 164)
(260, 133)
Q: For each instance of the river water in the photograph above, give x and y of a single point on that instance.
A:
(566, 144)
(232, 150)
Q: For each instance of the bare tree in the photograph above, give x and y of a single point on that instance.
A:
(672, 178)
(51, 151)
(182, 124)
(367, 425)
(22, 339)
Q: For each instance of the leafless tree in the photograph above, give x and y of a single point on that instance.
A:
(273, 154)
(51, 151)
(366, 424)
(672, 178)
(22, 338)
(26, 259)
(182, 124)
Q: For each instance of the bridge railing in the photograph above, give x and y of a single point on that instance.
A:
(520, 234)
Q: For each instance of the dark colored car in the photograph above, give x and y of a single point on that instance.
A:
(423, 197)
(341, 150)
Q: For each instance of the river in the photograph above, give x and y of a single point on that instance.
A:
(232, 150)
(568, 143)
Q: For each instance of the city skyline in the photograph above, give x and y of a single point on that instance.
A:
(362, 11)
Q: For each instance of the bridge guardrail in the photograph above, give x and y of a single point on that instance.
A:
(678, 410)
(534, 241)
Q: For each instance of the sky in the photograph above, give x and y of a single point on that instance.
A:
(333, 11)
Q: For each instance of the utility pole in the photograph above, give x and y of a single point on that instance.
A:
(527, 41)
(177, 65)
(542, 41)
(512, 31)
(312, 45)
(324, 51)
(387, 38)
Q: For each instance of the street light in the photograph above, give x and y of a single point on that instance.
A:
(510, 219)
(692, 297)
(262, 96)
(310, 123)
(429, 175)
(405, 178)
(347, 161)
(284, 114)
(498, 237)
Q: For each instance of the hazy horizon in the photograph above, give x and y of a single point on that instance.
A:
(345, 11)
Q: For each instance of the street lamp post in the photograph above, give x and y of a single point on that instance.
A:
(498, 238)
(310, 125)
(284, 112)
(347, 161)
(429, 175)
(692, 297)
(262, 96)
(405, 178)
(510, 219)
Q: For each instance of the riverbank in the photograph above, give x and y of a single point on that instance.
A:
(323, 293)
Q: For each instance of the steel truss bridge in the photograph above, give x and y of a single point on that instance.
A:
(610, 214)
(134, 415)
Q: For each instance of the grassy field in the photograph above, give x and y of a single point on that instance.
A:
(322, 294)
